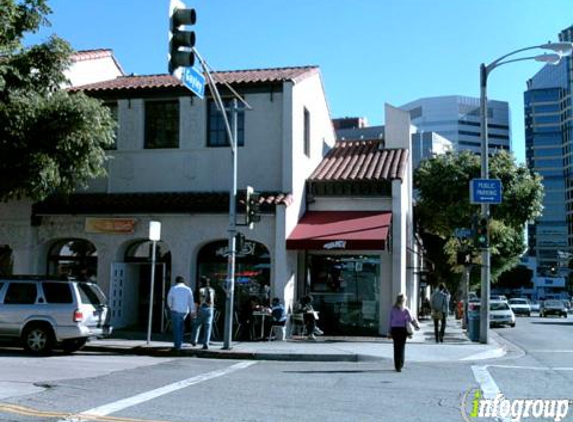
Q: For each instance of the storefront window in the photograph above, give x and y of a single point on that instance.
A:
(252, 275)
(346, 291)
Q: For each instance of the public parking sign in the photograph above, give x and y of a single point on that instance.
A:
(485, 191)
(194, 81)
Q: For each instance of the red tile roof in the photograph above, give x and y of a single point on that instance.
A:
(101, 53)
(362, 160)
(82, 55)
(236, 77)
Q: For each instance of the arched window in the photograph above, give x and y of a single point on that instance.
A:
(141, 252)
(73, 257)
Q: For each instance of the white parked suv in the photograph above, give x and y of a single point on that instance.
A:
(44, 313)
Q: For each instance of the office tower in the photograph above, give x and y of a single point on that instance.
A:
(549, 148)
(457, 118)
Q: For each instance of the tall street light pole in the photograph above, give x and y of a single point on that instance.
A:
(560, 49)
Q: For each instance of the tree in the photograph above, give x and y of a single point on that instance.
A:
(51, 140)
(443, 205)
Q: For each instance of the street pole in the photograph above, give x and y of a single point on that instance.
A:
(561, 50)
(151, 289)
(485, 253)
(231, 129)
(230, 282)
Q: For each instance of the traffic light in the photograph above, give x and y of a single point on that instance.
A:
(181, 40)
(239, 242)
(481, 235)
(253, 207)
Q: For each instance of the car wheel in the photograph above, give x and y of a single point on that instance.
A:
(38, 339)
(73, 345)
(512, 325)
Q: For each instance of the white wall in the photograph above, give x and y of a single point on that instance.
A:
(85, 72)
(194, 166)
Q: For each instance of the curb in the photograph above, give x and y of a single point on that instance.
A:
(229, 354)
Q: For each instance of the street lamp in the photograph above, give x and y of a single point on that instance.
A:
(560, 50)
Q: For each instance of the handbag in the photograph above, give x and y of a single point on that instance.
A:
(409, 328)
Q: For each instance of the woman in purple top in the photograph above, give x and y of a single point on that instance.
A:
(399, 316)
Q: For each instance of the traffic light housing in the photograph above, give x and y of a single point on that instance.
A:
(239, 242)
(481, 233)
(253, 207)
(181, 40)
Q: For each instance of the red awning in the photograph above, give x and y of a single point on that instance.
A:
(341, 230)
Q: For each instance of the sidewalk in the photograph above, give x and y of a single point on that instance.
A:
(421, 348)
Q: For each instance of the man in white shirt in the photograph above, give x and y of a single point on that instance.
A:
(180, 302)
(204, 314)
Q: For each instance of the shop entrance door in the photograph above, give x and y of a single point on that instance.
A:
(129, 295)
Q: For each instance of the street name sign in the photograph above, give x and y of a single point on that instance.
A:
(462, 233)
(485, 191)
(194, 81)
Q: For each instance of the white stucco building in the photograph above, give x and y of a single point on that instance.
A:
(172, 164)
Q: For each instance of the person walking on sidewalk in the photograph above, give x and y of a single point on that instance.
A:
(400, 317)
(180, 303)
(440, 308)
(204, 318)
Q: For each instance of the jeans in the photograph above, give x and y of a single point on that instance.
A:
(178, 321)
(204, 319)
(399, 335)
(439, 333)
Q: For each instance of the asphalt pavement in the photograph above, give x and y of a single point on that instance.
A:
(421, 348)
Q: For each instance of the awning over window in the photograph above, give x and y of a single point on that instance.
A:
(341, 230)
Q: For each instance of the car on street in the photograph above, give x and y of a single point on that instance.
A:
(552, 307)
(42, 313)
(500, 313)
(520, 306)
(534, 305)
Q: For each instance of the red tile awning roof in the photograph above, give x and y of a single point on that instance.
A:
(350, 230)
(237, 77)
(363, 160)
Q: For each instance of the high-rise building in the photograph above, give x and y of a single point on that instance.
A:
(457, 118)
(424, 144)
(549, 151)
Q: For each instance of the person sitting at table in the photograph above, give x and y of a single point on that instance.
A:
(278, 316)
(310, 317)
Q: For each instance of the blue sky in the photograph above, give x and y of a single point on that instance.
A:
(370, 52)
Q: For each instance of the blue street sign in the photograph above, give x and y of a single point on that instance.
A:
(462, 233)
(194, 81)
(485, 191)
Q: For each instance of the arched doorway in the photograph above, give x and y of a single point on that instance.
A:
(131, 285)
(73, 257)
(252, 275)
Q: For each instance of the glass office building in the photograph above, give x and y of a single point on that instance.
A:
(549, 147)
(457, 118)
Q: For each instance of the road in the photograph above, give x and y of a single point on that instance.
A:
(136, 388)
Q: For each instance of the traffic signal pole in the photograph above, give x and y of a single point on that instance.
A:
(231, 129)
